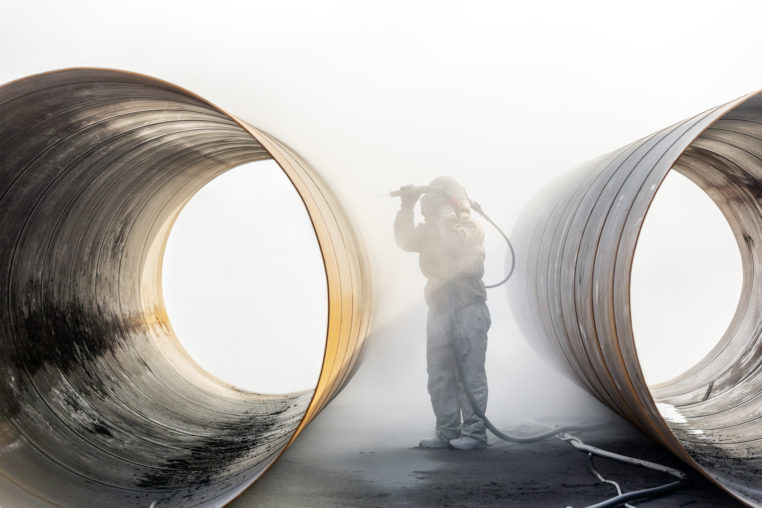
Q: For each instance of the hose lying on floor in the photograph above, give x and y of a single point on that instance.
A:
(563, 433)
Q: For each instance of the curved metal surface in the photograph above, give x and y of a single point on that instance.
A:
(99, 404)
(572, 296)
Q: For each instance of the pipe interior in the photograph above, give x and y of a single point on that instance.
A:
(99, 404)
(714, 408)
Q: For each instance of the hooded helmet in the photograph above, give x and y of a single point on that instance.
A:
(444, 191)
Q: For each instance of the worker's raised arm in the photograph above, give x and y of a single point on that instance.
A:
(408, 236)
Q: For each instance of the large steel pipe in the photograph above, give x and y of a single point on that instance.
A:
(99, 404)
(577, 243)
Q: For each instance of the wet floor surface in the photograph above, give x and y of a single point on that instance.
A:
(339, 462)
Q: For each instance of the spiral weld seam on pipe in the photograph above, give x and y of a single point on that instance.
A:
(572, 293)
(99, 403)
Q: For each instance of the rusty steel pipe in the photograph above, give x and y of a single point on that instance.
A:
(99, 404)
(572, 294)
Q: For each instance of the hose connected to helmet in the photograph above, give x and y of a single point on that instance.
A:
(681, 479)
(478, 209)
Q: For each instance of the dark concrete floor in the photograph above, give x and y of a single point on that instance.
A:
(350, 457)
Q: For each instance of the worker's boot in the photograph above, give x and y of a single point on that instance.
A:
(433, 442)
(467, 443)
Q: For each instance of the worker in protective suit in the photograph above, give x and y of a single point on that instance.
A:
(450, 244)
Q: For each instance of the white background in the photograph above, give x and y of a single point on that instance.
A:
(501, 95)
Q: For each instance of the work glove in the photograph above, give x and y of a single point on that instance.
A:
(409, 194)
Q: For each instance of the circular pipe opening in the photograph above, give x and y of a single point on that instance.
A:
(686, 280)
(241, 261)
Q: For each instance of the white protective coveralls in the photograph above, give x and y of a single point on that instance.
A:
(451, 256)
